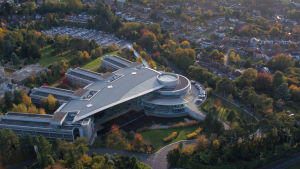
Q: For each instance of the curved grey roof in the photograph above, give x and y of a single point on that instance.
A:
(132, 83)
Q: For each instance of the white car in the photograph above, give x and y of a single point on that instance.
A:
(201, 96)
(193, 82)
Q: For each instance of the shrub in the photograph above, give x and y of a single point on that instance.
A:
(138, 139)
(131, 134)
(185, 124)
(124, 133)
(170, 137)
(142, 129)
(192, 135)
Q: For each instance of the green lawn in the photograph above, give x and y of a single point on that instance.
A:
(244, 58)
(296, 166)
(156, 136)
(287, 107)
(221, 112)
(233, 65)
(92, 65)
(47, 59)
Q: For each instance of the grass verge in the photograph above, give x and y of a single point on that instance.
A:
(296, 166)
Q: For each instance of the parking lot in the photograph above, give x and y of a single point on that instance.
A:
(102, 38)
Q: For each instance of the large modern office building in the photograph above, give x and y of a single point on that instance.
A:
(102, 98)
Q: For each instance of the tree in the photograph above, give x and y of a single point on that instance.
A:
(44, 148)
(41, 41)
(18, 94)
(278, 79)
(292, 46)
(51, 102)
(152, 64)
(14, 57)
(138, 139)
(8, 99)
(224, 86)
(34, 51)
(282, 61)
(208, 120)
(283, 92)
(9, 46)
(143, 54)
(247, 64)
(231, 116)
(64, 81)
(113, 47)
(26, 100)
(139, 60)
(274, 31)
(44, 103)
(32, 109)
(249, 73)
(263, 81)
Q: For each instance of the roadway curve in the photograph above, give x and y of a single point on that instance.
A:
(155, 161)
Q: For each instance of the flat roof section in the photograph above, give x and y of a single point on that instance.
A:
(107, 75)
(28, 115)
(135, 64)
(182, 83)
(166, 101)
(43, 94)
(69, 92)
(89, 72)
(58, 118)
(80, 92)
(115, 62)
(121, 59)
(81, 76)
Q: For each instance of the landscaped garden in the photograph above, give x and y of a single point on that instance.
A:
(156, 136)
(222, 108)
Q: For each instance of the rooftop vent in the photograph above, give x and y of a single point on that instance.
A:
(110, 86)
(134, 73)
(89, 105)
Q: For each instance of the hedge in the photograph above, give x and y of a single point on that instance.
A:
(192, 135)
(198, 130)
(170, 137)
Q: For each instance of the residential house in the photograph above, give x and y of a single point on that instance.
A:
(254, 41)
(224, 72)
(285, 41)
(206, 43)
(258, 54)
(241, 51)
(278, 41)
(37, 16)
(245, 40)
(214, 67)
(236, 39)
(220, 34)
(226, 38)
(235, 75)
(147, 9)
(204, 62)
(268, 41)
(265, 70)
(233, 20)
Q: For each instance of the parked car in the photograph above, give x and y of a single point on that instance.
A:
(193, 82)
(199, 100)
(201, 96)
